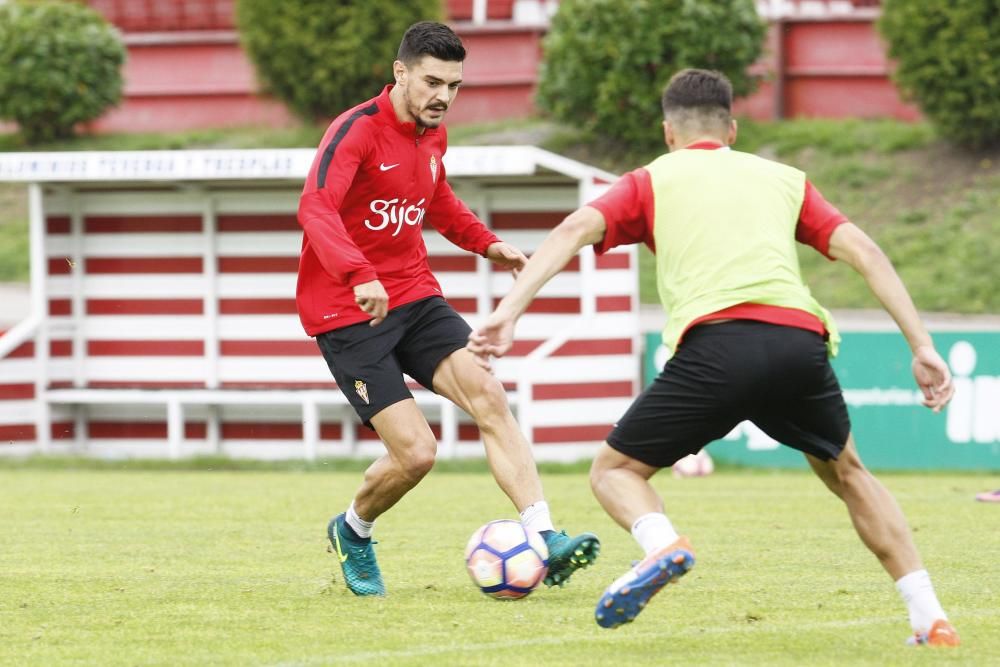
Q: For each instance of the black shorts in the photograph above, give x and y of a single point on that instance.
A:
(368, 362)
(777, 377)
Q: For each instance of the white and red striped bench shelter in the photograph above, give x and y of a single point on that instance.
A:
(163, 318)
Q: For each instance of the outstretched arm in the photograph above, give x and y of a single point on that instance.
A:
(851, 245)
(455, 221)
(585, 226)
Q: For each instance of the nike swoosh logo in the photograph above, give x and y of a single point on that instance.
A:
(387, 167)
(336, 545)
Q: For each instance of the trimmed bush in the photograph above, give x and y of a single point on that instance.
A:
(606, 62)
(60, 64)
(948, 56)
(322, 57)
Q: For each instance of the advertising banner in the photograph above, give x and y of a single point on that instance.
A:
(892, 429)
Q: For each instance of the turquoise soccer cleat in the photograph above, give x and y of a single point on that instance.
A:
(357, 559)
(569, 554)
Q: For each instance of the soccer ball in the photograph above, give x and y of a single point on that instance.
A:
(694, 465)
(506, 561)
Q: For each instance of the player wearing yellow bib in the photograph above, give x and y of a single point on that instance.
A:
(749, 342)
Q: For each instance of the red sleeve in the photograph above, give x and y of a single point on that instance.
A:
(627, 208)
(817, 220)
(453, 219)
(330, 177)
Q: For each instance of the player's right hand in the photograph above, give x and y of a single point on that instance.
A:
(372, 298)
(933, 377)
(493, 339)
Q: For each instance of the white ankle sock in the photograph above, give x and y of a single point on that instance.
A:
(921, 602)
(536, 517)
(653, 531)
(360, 526)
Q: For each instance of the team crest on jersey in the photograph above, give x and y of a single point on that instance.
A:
(362, 389)
(434, 169)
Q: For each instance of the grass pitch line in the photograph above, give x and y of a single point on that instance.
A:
(598, 636)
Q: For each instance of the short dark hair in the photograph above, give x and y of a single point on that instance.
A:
(429, 38)
(698, 90)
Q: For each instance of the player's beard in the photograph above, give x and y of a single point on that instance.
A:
(432, 123)
(415, 111)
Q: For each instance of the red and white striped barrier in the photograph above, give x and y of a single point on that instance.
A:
(164, 320)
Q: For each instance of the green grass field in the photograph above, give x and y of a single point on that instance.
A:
(133, 567)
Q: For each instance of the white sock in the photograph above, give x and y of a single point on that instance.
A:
(360, 526)
(918, 594)
(653, 531)
(536, 517)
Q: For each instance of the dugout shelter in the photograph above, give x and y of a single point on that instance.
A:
(163, 319)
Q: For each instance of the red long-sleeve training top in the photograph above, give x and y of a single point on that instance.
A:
(372, 185)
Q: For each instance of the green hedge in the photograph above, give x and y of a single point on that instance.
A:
(60, 64)
(948, 61)
(606, 62)
(322, 57)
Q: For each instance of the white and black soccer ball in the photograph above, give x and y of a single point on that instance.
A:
(506, 561)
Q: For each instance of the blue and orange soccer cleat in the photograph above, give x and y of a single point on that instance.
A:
(941, 634)
(357, 558)
(569, 554)
(629, 594)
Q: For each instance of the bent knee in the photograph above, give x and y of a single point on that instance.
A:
(604, 461)
(845, 472)
(488, 400)
(596, 475)
(418, 459)
(848, 468)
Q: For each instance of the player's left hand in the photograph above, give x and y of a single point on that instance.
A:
(933, 377)
(506, 256)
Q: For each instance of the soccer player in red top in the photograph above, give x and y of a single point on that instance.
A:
(749, 341)
(366, 292)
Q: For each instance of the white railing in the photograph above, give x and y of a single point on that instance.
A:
(777, 9)
(529, 366)
(479, 11)
(523, 12)
(22, 332)
(539, 12)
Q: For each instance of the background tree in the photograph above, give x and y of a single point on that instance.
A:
(60, 64)
(322, 57)
(948, 62)
(606, 62)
